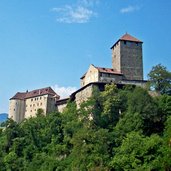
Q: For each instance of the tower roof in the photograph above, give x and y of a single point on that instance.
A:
(128, 37)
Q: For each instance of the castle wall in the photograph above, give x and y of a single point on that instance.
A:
(61, 107)
(35, 103)
(139, 83)
(83, 95)
(127, 59)
(51, 101)
(17, 110)
(91, 76)
(109, 78)
(116, 59)
(131, 60)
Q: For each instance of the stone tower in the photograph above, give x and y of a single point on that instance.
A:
(127, 57)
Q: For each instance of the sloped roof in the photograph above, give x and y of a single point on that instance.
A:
(108, 70)
(34, 93)
(128, 37)
(43, 91)
(105, 70)
(19, 96)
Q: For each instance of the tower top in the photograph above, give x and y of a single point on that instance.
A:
(128, 37)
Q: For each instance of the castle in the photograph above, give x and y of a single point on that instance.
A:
(127, 68)
(26, 104)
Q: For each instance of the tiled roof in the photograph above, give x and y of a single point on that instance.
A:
(128, 37)
(19, 96)
(108, 70)
(34, 93)
(39, 92)
(105, 70)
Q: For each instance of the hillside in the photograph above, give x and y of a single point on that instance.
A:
(118, 129)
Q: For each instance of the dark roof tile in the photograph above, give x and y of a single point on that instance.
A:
(108, 70)
(35, 93)
(128, 37)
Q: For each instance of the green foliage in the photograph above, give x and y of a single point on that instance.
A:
(160, 79)
(118, 129)
(137, 153)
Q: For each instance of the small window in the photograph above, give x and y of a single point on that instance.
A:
(30, 105)
(34, 98)
(137, 43)
(30, 110)
(124, 42)
(14, 109)
(31, 99)
(40, 98)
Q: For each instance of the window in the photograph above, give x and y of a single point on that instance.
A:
(124, 42)
(40, 98)
(34, 98)
(30, 105)
(31, 99)
(30, 110)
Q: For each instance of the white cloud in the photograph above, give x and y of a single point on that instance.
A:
(80, 13)
(64, 92)
(130, 9)
(89, 3)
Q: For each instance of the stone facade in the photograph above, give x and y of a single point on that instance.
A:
(17, 109)
(92, 75)
(99, 74)
(45, 102)
(25, 105)
(83, 95)
(61, 104)
(116, 56)
(127, 57)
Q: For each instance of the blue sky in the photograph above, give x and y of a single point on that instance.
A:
(53, 42)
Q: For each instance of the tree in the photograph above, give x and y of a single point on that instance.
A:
(140, 102)
(160, 79)
(138, 152)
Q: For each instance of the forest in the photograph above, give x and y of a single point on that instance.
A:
(117, 129)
